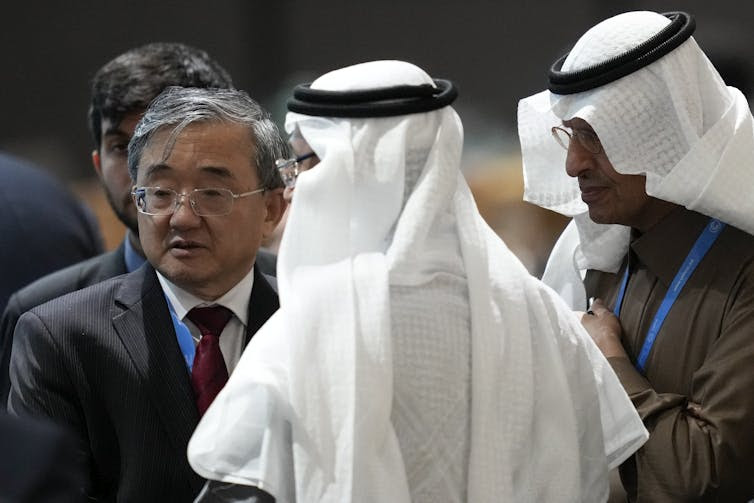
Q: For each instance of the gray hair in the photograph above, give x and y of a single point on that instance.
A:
(180, 106)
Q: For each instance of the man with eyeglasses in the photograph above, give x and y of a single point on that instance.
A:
(121, 91)
(131, 364)
(303, 159)
(413, 358)
(658, 169)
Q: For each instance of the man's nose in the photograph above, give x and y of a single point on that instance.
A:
(183, 215)
(578, 160)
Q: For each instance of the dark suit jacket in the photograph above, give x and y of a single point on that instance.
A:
(44, 227)
(105, 362)
(72, 278)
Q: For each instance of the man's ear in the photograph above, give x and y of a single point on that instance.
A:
(275, 205)
(97, 162)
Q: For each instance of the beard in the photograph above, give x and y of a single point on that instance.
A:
(122, 211)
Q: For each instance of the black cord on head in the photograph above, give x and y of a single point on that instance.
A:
(368, 103)
(679, 30)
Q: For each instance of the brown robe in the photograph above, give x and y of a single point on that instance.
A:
(696, 397)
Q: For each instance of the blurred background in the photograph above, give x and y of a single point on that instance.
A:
(496, 51)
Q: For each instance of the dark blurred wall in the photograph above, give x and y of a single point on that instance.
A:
(496, 51)
(52, 49)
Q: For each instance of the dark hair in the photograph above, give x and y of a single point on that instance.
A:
(132, 80)
(178, 107)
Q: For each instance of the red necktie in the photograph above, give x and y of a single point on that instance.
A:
(208, 374)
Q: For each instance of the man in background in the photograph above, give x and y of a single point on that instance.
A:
(44, 228)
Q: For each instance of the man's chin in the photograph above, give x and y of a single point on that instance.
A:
(201, 286)
(599, 217)
(182, 275)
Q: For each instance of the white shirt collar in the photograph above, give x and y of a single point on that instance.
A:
(236, 299)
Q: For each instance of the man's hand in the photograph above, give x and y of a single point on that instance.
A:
(604, 328)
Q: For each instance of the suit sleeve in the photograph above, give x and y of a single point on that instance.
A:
(701, 446)
(44, 289)
(41, 384)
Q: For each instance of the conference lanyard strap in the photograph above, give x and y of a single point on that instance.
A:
(702, 245)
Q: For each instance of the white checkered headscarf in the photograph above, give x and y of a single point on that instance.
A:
(413, 357)
(674, 121)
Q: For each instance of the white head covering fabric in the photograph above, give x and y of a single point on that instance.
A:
(674, 121)
(413, 357)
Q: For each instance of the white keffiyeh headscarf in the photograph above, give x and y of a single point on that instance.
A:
(674, 121)
(413, 357)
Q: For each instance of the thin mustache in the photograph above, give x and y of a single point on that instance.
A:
(592, 183)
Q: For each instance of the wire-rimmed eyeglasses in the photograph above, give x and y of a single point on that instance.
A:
(588, 139)
(204, 202)
(290, 168)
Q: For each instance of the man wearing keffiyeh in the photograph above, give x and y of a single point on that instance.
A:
(413, 358)
(657, 152)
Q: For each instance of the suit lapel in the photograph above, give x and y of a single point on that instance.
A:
(147, 332)
(145, 329)
(262, 304)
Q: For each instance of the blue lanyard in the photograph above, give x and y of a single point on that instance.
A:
(621, 293)
(698, 251)
(185, 340)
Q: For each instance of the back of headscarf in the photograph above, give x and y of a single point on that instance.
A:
(329, 397)
(674, 121)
